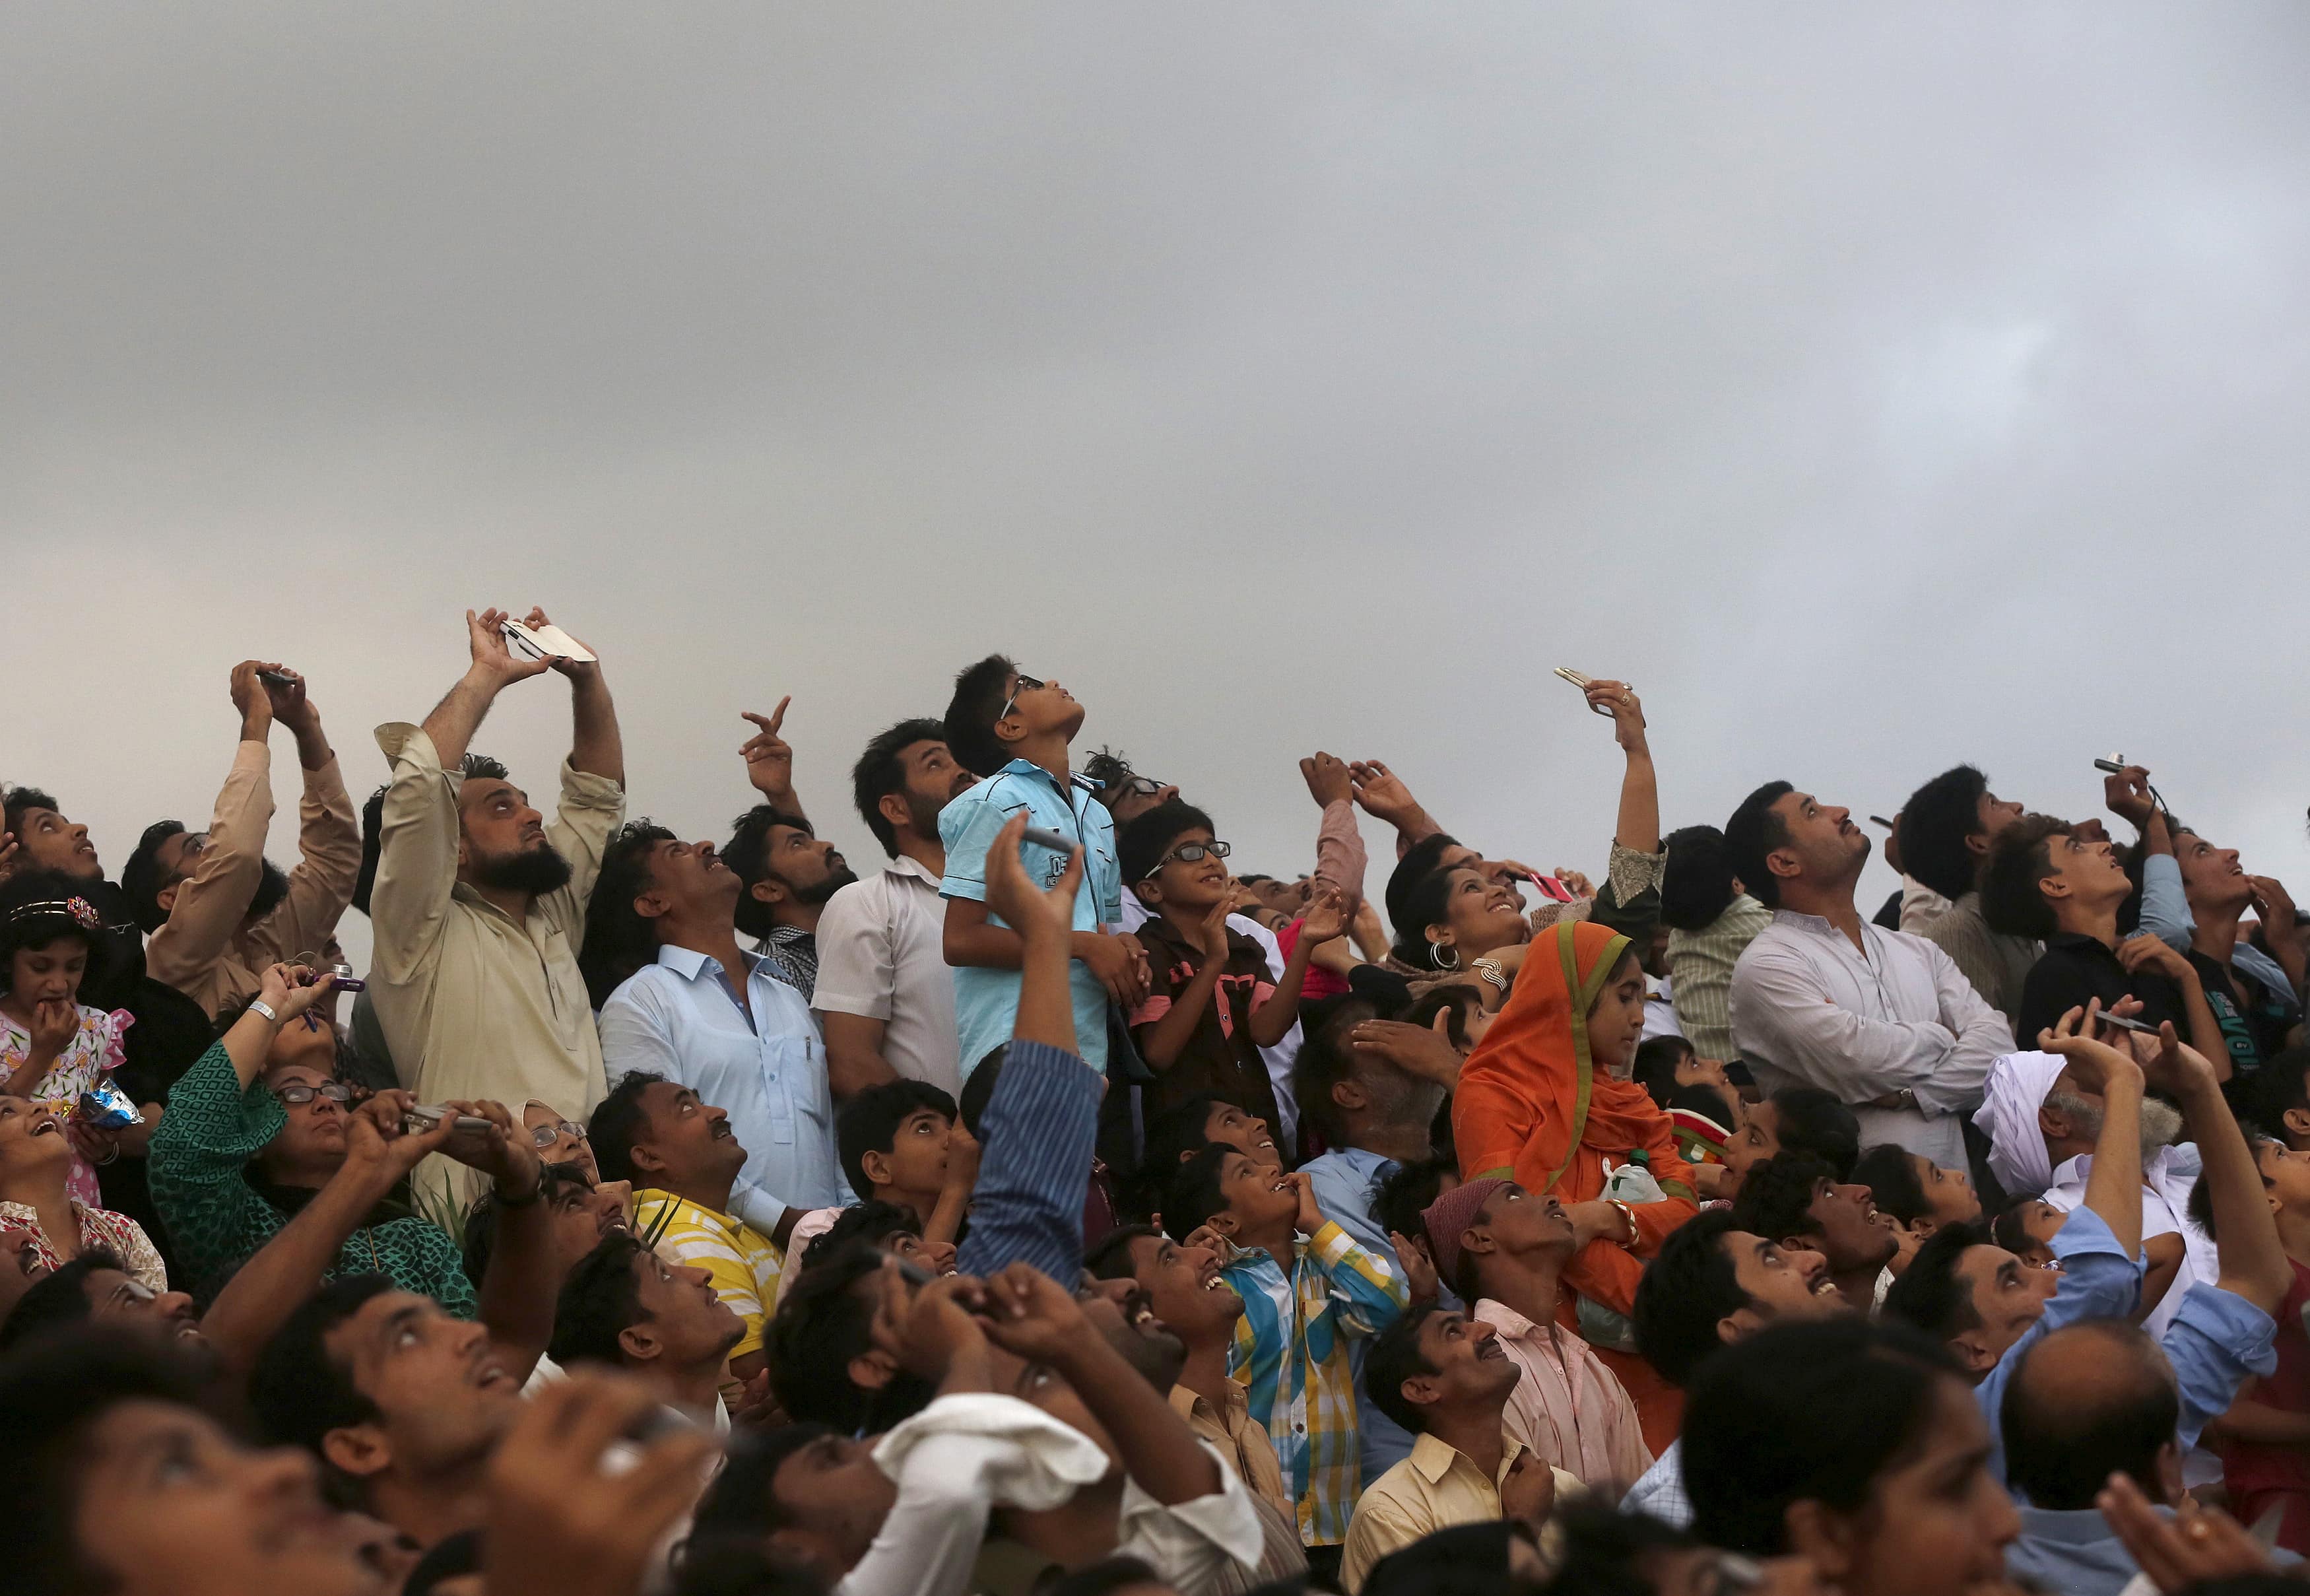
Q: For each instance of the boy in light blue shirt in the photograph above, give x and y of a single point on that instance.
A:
(1015, 731)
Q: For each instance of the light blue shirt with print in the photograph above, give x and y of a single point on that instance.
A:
(764, 1064)
(986, 1002)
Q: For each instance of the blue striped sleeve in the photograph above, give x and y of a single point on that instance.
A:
(1041, 1126)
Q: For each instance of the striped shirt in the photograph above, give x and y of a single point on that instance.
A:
(1291, 1354)
(1700, 969)
(743, 1262)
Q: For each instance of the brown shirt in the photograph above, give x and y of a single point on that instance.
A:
(203, 950)
(1220, 1057)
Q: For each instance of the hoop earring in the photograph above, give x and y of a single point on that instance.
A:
(1436, 951)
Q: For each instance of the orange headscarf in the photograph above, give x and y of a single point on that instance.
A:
(1530, 1101)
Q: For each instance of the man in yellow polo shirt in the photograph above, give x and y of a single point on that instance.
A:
(1445, 1378)
(683, 1159)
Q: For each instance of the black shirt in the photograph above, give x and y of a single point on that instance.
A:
(2074, 967)
(2253, 1020)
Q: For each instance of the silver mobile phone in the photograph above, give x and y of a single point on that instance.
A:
(2125, 1023)
(425, 1116)
(1042, 836)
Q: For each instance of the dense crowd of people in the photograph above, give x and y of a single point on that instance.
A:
(1061, 1209)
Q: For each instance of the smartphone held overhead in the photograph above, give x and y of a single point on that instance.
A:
(546, 642)
(1583, 683)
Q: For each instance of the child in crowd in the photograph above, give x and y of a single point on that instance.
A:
(1306, 1290)
(1210, 1003)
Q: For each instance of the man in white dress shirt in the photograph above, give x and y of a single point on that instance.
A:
(1822, 998)
(885, 996)
(707, 1015)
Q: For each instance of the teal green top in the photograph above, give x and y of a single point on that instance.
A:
(217, 1221)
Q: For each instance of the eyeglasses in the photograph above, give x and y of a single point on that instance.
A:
(1021, 683)
(335, 1091)
(552, 1130)
(1188, 853)
(1138, 787)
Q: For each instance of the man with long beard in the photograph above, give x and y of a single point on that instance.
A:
(479, 904)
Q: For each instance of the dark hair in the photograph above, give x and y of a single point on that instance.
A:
(1326, 1058)
(58, 1298)
(1420, 861)
(2059, 1450)
(1458, 997)
(741, 1566)
(2281, 1085)
(744, 1498)
(142, 878)
(1776, 1195)
(481, 1237)
(1394, 1357)
(1934, 825)
(1931, 1294)
(54, 1394)
(298, 1393)
(979, 1090)
(481, 766)
(1426, 903)
(1109, 1259)
(1464, 1560)
(979, 692)
(2007, 1230)
(372, 845)
(1103, 1578)
(453, 1557)
(599, 1300)
(1808, 1120)
(2019, 859)
(28, 887)
(823, 1322)
(1754, 831)
(881, 772)
(1191, 1195)
(1604, 1552)
(1656, 1065)
(1892, 1180)
(748, 854)
(869, 1123)
(1107, 766)
(1176, 1132)
(620, 939)
(1696, 882)
(1687, 1287)
(1148, 837)
(1713, 1103)
(872, 1221)
(1401, 1198)
(1810, 1411)
(15, 802)
(619, 1121)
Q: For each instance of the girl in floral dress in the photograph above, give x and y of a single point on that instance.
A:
(52, 1047)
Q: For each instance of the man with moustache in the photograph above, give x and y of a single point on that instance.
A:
(478, 904)
(1819, 997)
(884, 994)
(705, 1014)
(216, 911)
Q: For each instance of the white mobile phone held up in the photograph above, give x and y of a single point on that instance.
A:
(547, 642)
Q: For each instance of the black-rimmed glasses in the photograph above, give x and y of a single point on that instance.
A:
(1021, 683)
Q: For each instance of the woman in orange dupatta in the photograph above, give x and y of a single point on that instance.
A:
(1538, 1104)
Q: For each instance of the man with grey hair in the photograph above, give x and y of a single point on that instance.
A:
(2042, 1121)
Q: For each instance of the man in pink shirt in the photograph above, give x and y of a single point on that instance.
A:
(1503, 1248)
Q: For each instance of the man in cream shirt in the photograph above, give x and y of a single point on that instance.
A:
(480, 904)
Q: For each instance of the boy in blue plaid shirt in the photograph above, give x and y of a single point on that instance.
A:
(1307, 1290)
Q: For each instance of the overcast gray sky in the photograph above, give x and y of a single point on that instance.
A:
(1876, 387)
